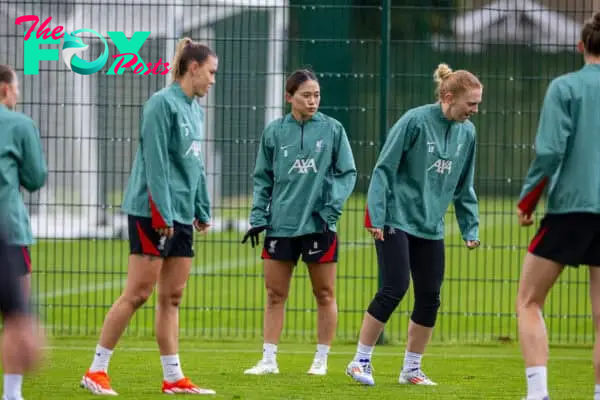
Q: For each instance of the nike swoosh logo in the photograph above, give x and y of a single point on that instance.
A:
(311, 252)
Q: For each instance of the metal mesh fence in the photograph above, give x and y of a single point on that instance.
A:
(89, 126)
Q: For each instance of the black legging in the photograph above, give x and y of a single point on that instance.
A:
(398, 254)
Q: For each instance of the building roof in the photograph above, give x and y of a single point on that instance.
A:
(524, 22)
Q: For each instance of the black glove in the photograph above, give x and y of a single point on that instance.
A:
(324, 225)
(253, 235)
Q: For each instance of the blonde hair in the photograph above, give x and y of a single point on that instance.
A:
(455, 82)
(187, 50)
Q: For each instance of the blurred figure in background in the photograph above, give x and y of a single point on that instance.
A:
(22, 165)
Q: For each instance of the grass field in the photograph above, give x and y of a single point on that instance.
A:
(474, 354)
(462, 372)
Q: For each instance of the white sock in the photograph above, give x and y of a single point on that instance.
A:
(12, 386)
(537, 382)
(270, 352)
(363, 352)
(171, 368)
(412, 361)
(597, 392)
(101, 359)
(322, 352)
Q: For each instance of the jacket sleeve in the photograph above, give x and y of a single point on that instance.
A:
(385, 171)
(33, 170)
(554, 128)
(263, 181)
(155, 132)
(202, 205)
(465, 199)
(344, 178)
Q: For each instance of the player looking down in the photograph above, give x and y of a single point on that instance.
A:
(427, 161)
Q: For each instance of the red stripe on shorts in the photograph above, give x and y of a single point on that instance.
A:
(147, 246)
(27, 258)
(537, 239)
(329, 255)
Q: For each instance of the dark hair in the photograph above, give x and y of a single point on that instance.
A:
(187, 51)
(590, 35)
(7, 74)
(297, 78)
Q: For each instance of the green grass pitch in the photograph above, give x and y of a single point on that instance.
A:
(473, 355)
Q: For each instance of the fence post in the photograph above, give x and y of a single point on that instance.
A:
(386, 28)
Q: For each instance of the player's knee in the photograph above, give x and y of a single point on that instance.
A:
(138, 298)
(171, 298)
(386, 300)
(324, 296)
(519, 305)
(276, 296)
(525, 301)
(426, 308)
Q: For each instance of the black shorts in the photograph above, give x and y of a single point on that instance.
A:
(569, 239)
(20, 258)
(316, 248)
(12, 296)
(143, 239)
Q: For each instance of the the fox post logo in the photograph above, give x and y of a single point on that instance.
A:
(128, 56)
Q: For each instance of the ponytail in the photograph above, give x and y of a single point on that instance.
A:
(181, 45)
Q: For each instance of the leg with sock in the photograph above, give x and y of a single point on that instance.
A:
(101, 359)
(363, 352)
(267, 364)
(412, 361)
(171, 365)
(171, 284)
(537, 382)
(278, 275)
(270, 353)
(393, 260)
(142, 275)
(319, 364)
(537, 277)
(13, 384)
(322, 351)
(322, 277)
(427, 269)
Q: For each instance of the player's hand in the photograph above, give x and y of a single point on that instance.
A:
(377, 233)
(524, 218)
(472, 244)
(253, 235)
(167, 232)
(201, 227)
